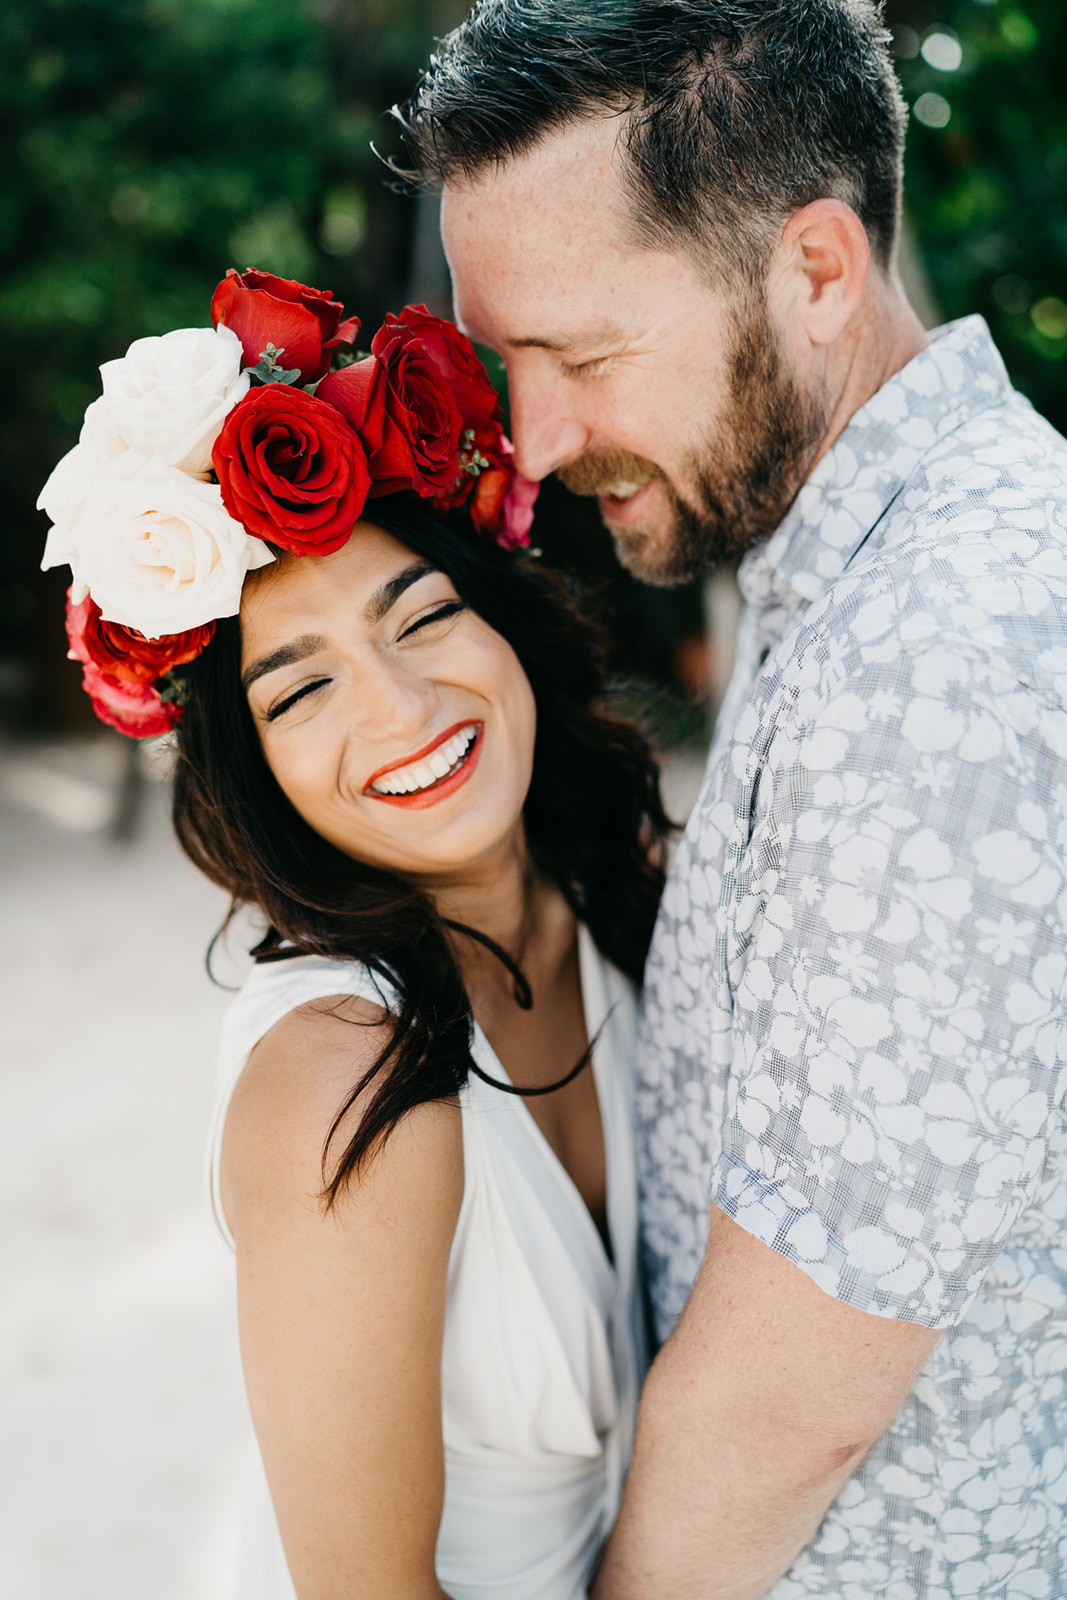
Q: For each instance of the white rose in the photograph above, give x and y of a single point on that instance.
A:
(98, 456)
(160, 553)
(169, 395)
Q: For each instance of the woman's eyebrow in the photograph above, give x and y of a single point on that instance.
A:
(377, 606)
(386, 597)
(285, 656)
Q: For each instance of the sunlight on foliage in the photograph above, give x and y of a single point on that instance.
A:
(986, 188)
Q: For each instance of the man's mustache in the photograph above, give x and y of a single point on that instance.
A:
(596, 474)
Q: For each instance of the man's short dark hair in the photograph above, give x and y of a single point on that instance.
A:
(737, 112)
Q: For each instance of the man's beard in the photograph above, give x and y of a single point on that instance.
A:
(744, 479)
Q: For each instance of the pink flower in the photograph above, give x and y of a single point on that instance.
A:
(518, 512)
(502, 506)
(135, 709)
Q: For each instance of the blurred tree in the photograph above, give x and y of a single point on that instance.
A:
(986, 185)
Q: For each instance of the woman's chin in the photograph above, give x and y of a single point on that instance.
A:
(444, 842)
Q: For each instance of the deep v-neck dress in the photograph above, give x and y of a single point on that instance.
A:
(544, 1347)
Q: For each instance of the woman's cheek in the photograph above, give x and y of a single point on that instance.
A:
(295, 763)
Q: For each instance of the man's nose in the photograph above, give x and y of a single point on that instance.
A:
(546, 427)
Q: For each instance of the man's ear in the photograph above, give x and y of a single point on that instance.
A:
(821, 268)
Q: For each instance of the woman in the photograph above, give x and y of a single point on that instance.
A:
(422, 1148)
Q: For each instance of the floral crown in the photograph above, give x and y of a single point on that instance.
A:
(211, 449)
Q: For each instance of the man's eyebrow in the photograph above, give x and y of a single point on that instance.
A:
(387, 596)
(285, 656)
(566, 344)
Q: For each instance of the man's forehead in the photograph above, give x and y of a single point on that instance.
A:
(580, 160)
(518, 300)
(544, 254)
(537, 230)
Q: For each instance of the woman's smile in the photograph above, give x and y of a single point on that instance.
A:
(433, 773)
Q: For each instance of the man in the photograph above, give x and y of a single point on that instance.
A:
(675, 222)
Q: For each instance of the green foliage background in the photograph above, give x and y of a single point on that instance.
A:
(149, 144)
(987, 193)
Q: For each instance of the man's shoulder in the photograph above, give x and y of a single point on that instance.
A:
(970, 559)
(1007, 445)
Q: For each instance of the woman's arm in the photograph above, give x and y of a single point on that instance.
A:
(342, 1315)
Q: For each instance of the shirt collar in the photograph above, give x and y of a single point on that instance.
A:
(958, 375)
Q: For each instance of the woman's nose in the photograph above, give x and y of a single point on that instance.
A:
(546, 427)
(392, 706)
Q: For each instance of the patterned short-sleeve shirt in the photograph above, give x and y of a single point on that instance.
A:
(855, 1025)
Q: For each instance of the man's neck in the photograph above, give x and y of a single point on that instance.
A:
(882, 338)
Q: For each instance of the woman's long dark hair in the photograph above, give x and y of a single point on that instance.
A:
(594, 820)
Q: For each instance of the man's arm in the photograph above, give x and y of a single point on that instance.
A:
(756, 1412)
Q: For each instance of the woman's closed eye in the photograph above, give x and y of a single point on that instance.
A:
(291, 699)
(439, 613)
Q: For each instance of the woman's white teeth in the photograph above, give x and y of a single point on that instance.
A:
(408, 780)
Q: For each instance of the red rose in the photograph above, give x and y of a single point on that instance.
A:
(291, 470)
(455, 358)
(490, 453)
(135, 709)
(400, 405)
(125, 654)
(304, 323)
(500, 502)
(479, 454)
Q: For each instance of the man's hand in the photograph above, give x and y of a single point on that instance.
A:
(757, 1410)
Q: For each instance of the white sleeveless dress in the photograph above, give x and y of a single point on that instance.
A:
(544, 1345)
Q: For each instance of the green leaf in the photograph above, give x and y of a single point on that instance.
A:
(172, 689)
(268, 369)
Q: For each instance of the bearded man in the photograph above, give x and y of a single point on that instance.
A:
(675, 220)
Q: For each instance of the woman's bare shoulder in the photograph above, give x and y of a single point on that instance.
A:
(342, 1311)
(284, 1105)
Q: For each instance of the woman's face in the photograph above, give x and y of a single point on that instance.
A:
(399, 725)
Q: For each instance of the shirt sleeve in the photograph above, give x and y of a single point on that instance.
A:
(898, 976)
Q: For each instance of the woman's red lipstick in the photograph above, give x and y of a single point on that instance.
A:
(446, 785)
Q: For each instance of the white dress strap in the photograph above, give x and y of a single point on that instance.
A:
(271, 990)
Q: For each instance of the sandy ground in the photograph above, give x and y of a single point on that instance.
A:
(121, 1410)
